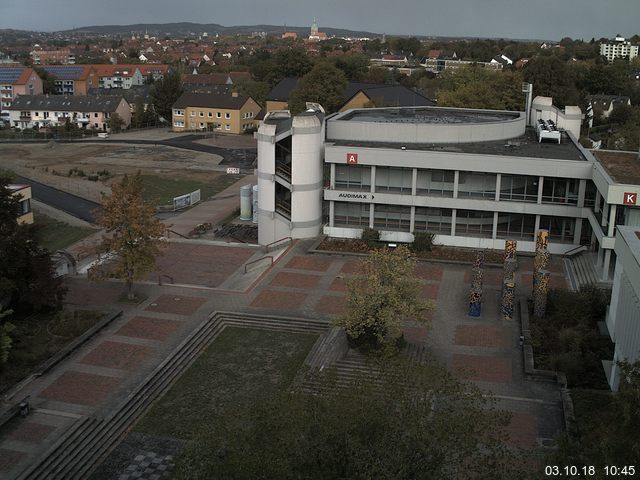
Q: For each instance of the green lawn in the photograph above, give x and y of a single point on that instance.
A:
(239, 363)
(56, 235)
(162, 190)
(38, 337)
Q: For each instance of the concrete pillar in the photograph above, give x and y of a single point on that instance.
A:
(540, 187)
(332, 210)
(605, 265)
(498, 182)
(582, 189)
(456, 179)
(453, 222)
(412, 219)
(577, 233)
(371, 214)
(612, 219)
(537, 224)
(596, 205)
(332, 179)
(603, 221)
(494, 231)
(373, 179)
(414, 183)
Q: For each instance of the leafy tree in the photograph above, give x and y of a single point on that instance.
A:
(139, 113)
(381, 299)
(423, 242)
(27, 274)
(256, 90)
(6, 328)
(133, 234)
(165, 93)
(292, 62)
(115, 123)
(370, 236)
(413, 421)
(324, 84)
(477, 87)
(48, 81)
(551, 77)
(355, 67)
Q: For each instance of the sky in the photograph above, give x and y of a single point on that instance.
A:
(529, 19)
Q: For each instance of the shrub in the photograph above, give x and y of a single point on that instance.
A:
(371, 236)
(423, 242)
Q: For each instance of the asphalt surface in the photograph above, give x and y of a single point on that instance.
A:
(72, 204)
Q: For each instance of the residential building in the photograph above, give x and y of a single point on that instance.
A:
(62, 56)
(356, 95)
(72, 79)
(291, 35)
(474, 178)
(17, 80)
(390, 60)
(28, 111)
(603, 105)
(118, 76)
(444, 62)
(618, 48)
(233, 113)
(23, 194)
(623, 314)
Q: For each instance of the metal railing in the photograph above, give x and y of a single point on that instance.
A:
(267, 257)
(269, 247)
(576, 250)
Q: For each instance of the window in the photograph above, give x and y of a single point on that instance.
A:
(209, 114)
(178, 123)
(519, 188)
(433, 220)
(202, 114)
(192, 113)
(353, 177)
(392, 179)
(560, 190)
(516, 226)
(95, 115)
(178, 113)
(351, 214)
(392, 217)
(218, 115)
(477, 185)
(435, 182)
(25, 206)
(201, 125)
(36, 114)
(561, 229)
(227, 127)
(474, 223)
(227, 115)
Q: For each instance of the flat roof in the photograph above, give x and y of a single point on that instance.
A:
(428, 115)
(622, 167)
(526, 146)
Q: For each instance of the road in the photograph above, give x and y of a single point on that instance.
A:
(73, 205)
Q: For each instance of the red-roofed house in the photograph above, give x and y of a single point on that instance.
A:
(17, 80)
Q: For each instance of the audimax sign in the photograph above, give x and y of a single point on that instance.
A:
(356, 196)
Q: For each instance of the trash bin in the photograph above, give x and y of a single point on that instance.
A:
(24, 408)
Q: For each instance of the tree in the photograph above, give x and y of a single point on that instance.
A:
(115, 122)
(27, 274)
(552, 77)
(355, 67)
(139, 113)
(412, 422)
(133, 234)
(6, 328)
(381, 299)
(48, 81)
(165, 93)
(324, 84)
(256, 90)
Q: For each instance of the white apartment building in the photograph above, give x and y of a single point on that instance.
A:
(618, 48)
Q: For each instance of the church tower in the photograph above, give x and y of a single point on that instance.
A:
(314, 28)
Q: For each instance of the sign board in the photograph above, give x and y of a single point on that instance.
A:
(233, 171)
(187, 200)
(352, 158)
(356, 196)
(630, 198)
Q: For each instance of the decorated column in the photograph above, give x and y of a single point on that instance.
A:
(475, 295)
(508, 297)
(540, 294)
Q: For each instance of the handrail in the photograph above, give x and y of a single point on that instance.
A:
(574, 250)
(267, 247)
(164, 275)
(258, 260)
(173, 231)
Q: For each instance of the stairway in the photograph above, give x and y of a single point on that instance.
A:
(582, 270)
(90, 438)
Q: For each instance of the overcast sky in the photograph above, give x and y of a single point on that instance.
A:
(537, 19)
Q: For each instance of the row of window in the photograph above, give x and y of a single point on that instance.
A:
(519, 188)
(473, 223)
(227, 115)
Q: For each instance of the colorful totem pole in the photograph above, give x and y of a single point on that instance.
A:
(508, 296)
(540, 294)
(475, 296)
(541, 259)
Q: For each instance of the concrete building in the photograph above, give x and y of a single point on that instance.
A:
(72, 79)
(28, 111)
(623, 316)
(17, 80)
(618, 48)
(474, 178)
(45, 57)
(23, 194)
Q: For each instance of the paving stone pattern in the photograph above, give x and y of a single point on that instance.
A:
(149, 466)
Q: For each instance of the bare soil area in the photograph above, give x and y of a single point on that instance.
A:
(50, 164)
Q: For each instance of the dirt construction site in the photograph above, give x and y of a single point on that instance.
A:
(72, 167)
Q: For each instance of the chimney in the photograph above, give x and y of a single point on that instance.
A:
(234, 94)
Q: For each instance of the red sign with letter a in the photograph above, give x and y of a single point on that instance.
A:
(630, 198)
(352, 158)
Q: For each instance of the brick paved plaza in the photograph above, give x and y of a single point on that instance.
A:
(94, 379)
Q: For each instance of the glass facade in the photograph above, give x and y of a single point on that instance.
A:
(392, 217)
(435, 182)
(394, 180)
(477, 185)
(560, 190)
(519, 188)
(347, 214)
(433, 220)
(474, 223)
(561, 229)
(353, 177)
(516, 226)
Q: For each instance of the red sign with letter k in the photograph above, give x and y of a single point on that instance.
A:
(630, 198)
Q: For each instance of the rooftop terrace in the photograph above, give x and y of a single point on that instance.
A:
(428, 115)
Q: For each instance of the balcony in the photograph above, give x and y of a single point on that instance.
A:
(25, 118)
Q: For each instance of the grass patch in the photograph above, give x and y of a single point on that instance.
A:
(239, 363)
(162, 190)
(56, 235)
(38, 337)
